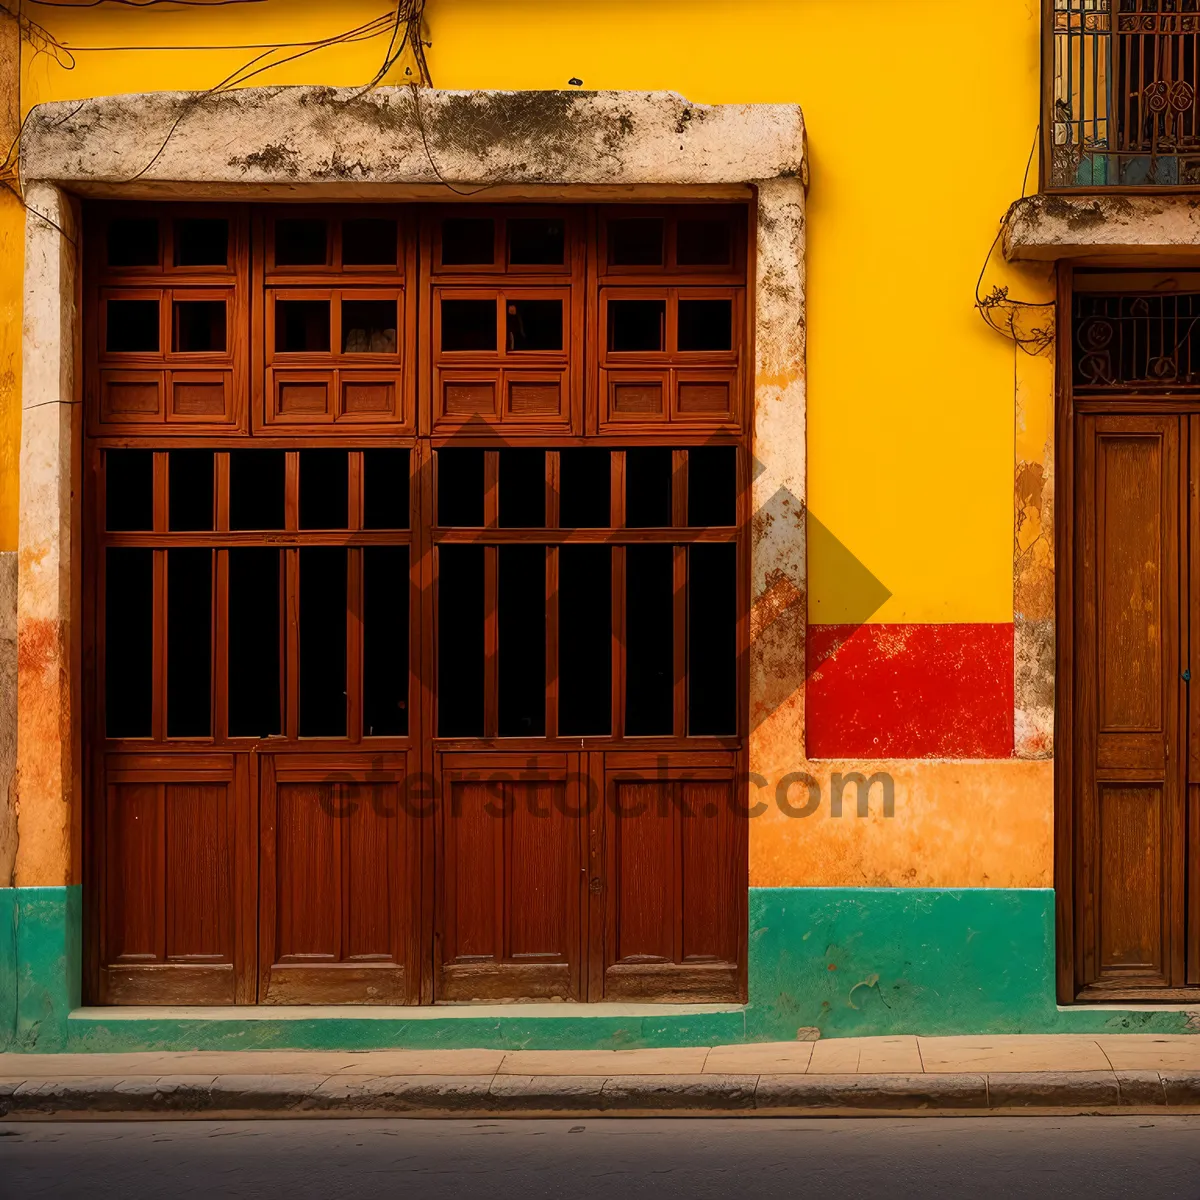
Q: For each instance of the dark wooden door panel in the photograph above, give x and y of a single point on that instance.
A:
(340, 879)
(675, 882)
(177, 880)
(1132, 895)
(1128, 706)
(511, 881)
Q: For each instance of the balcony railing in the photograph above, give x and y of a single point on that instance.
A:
(1123, 106)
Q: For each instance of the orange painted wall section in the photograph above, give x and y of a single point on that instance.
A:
(954, 825)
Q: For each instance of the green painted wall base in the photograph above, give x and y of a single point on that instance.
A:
(41, 951)
(849, 961)
(859, 961)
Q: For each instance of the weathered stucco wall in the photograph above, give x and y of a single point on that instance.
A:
(540, 144)
(48, 848)
(904, 463)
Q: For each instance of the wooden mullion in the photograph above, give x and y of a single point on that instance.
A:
(291, 657)
(617, 489)
(356, 504)
(491, 489)
(679, 486)
(162, 491)
(220, 645)
(551, 726)
(618, 641)
(679, 640)
(221, 491)
(291, 503)
(158, 719)
(553, 488)
(354, 644)
(491, 638)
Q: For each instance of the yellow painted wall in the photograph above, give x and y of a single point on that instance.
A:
(921, 117)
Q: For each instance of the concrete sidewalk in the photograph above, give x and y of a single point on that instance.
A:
(917, 1075)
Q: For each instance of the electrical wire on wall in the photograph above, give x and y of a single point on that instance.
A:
(402, 25)
(1004, 313)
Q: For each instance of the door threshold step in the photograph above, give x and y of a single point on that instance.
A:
(393, 1012)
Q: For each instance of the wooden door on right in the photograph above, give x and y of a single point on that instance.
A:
(1129, 703)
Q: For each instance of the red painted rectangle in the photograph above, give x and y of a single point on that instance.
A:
(909, 691)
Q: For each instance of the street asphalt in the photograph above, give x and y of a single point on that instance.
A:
(1092, 1157)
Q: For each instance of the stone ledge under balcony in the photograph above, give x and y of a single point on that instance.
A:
(1047, 227)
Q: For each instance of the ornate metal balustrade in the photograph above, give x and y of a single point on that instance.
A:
(1122, 80)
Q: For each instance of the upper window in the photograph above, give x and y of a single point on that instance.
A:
(1122, 105)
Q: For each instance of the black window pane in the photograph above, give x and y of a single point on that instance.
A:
(649, 640)
(322, 641)
(302, 326)
(534, 324)
(385, 641)
(189, 642)
(255, 600)
(536, 241)
(460, 487)
(202, 242)
(460, 649)
(324, 489)
(133, 242)
(369, 242)
(584, 489)
(584, 641)
(257, 489)
(189, 490)
(468, 241)
(468, 325)
(637, 325)
(385, 489)
(301, 242)
(637, 242)
(712, 486)
(368, 327)
(703, 241)
(522, 489)
(712, 639)
(705, 324)
(128, 642)
(521, 635)
(132, 327)
(648, 487)
(128, 490)
(199, 326)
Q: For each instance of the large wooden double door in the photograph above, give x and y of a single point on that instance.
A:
(416, 604)
(1129, 652)
(298, 878)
